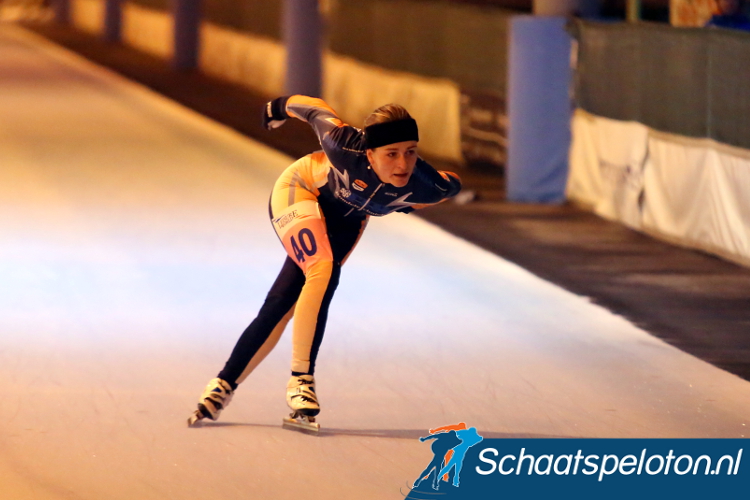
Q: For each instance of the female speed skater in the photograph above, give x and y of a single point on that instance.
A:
(319, 208)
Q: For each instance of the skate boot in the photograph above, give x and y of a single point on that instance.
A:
(216, 396)
(301, 398)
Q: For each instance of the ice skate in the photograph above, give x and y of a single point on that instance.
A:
(301, 398)
(296, 421)
(216, 396)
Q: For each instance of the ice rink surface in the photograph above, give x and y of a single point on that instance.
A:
(135, 248)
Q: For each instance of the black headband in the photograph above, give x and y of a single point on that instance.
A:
(382, 134)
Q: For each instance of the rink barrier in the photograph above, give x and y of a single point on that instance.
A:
(352, 88)
(686, 81)
(254, 61)
(148, 30)
(88, 15)
(690, 192)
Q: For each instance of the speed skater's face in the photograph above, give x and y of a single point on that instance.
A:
(394, 163)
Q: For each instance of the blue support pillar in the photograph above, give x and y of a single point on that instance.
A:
(187, 20)
(539, 109)
(113, 20)
(302, 30)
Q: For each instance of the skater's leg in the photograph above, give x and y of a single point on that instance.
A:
(261, 336)
(321, 280)
(452, 476)
(457, 473)
(434, 464)
(267, 346)
(311, 315)
(300, 224)
(443, 472)
(302, 230)
(263, 333)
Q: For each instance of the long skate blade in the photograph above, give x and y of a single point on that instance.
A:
(292, 424)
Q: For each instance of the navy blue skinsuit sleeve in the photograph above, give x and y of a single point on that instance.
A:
(336, 137)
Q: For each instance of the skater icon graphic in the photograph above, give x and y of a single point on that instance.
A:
(449, 447)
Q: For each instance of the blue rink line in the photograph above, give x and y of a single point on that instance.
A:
(596, 469)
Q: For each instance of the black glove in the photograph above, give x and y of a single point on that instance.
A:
(274, 114)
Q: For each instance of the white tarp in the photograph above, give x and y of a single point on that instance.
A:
(693, 192)
(698, 192)
(606, 166)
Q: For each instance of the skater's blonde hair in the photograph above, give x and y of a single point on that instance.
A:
(388, 113)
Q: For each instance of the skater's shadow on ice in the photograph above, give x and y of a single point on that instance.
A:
(384, 433)
(417, 433)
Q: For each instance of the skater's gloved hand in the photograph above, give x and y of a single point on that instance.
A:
(274, 114)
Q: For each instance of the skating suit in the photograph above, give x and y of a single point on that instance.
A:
(319, 208)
